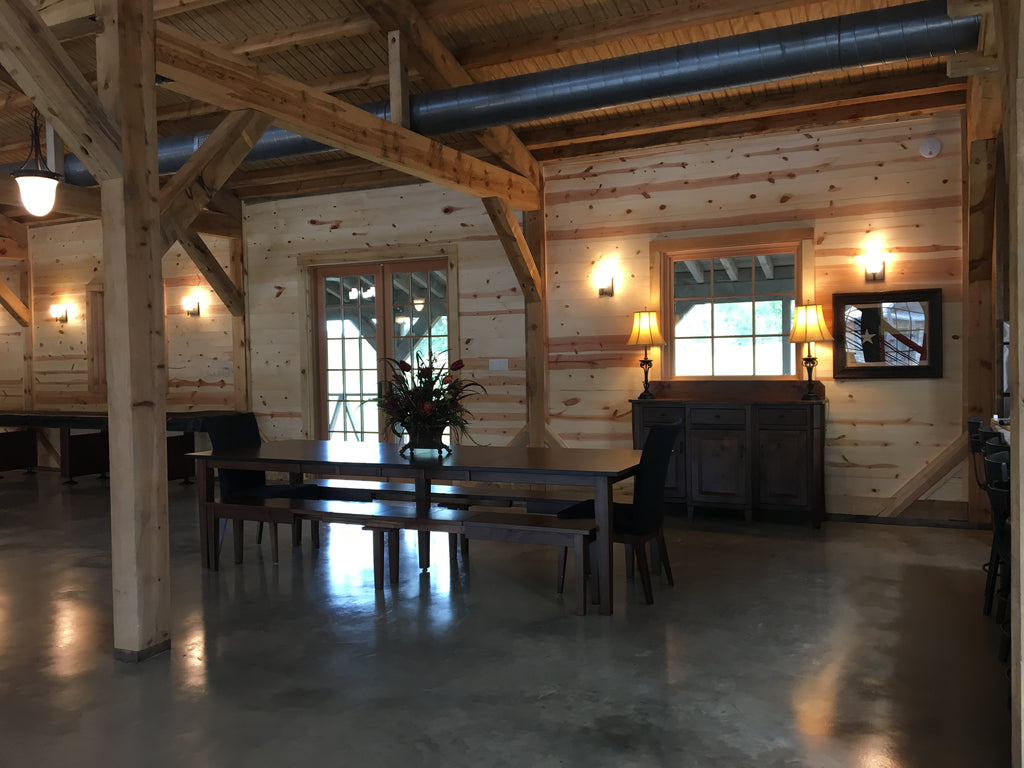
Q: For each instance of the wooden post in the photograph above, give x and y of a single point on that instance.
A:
(134, 308)
(979, 323)
(537, 334)
(398, 76)
(240, 348)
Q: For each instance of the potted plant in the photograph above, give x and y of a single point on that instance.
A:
(425, 400)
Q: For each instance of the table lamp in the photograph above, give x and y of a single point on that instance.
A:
(809, 327)
(645, 334)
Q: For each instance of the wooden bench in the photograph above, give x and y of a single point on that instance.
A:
(531, 528)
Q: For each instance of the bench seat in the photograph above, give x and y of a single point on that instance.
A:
(531, 528)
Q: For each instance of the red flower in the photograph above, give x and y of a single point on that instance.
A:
(458, 365)
(428, 409)
(404, 366)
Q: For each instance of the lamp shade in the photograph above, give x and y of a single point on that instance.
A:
(38, 192)
(809, 325)
(645, 330)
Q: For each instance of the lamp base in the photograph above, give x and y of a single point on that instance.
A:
(645, 395)
(809, 364)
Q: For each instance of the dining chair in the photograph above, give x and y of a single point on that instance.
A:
(240, 430)
(999, 497)
(997, 475)
(636, 524)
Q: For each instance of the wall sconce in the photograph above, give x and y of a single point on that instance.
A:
(809, 327)
(191, 305)
(37, 184)
(874, 271)
(645, 334)
(59, 312)
(607, 289)
(605, 271)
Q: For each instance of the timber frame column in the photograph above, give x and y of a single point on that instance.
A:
(136, 366)
(537, 332)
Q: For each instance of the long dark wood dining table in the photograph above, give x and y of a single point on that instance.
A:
(598, 468)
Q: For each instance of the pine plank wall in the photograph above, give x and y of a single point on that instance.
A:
(842, 183)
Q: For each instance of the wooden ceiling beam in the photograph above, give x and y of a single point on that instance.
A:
(806, 119)
(873, 93)
(12, 302)
(215, 275)
(14, 230)
(45, 73)
(204, 71)
(440, 69)
(55, 12)
(307, 34)
(516, 248)
(206, 171)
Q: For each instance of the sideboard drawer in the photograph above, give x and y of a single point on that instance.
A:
(770, 416)
(718, 417)
(664, 415)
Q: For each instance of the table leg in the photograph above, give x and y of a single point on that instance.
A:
(603, 515)
(204, 495)
(423, 508)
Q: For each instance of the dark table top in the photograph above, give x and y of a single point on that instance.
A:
(183, 421)
(583, 462)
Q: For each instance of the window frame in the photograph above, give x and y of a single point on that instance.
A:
(799, 242)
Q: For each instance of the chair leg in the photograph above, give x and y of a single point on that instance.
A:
(465, 544)
(663, 557)
(259, 532)
(424, 547)
(645, 573)
(297, 532)
(238, 529)
(990, 580)
(562, 554)
(378, 559)
(274, 549)
(629, 562)
(453, 548)
(393, 554)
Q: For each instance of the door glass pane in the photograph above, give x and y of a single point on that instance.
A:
(420, 315)
(351, 357)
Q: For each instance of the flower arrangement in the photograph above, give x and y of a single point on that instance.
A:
(426, 399)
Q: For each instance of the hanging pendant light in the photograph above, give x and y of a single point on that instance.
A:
(36, 182)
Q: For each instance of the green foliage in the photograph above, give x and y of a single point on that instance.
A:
(428, 395)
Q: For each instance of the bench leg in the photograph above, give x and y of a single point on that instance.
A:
(629, 562)
(465, 545)
(238, 529)
(314, 533)
(393, 554)
(424, 547)
(580, 553)
(453, 549)
(274, 548)
(562, 555)
(297, 532)
(259, 533)
(378, 559)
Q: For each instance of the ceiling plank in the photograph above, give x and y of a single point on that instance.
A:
(215, 275)
(686, 16)
(203, 71)
(516, 248)
(54, 12)
(440, 69)
(43, 70)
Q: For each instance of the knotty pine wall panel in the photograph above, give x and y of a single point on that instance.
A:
(66, 258)
(12, 348)
(845, 183)
(284, 237)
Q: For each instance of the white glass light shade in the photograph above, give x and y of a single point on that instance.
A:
(37, 192)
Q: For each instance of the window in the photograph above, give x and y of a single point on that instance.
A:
(728, 308)
(365, 313)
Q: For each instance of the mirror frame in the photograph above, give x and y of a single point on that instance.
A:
(930, 299)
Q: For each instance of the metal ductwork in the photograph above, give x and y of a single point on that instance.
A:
(917, 30)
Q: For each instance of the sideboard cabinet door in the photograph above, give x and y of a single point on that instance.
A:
(651, 414)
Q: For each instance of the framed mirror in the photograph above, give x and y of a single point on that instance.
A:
(897, 334)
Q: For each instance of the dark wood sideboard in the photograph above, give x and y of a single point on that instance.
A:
(750, 446)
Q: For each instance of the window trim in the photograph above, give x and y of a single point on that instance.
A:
(800, 242)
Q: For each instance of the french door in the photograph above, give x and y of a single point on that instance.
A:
(364, 314)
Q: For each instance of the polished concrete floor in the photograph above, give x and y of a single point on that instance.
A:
(857, 646)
